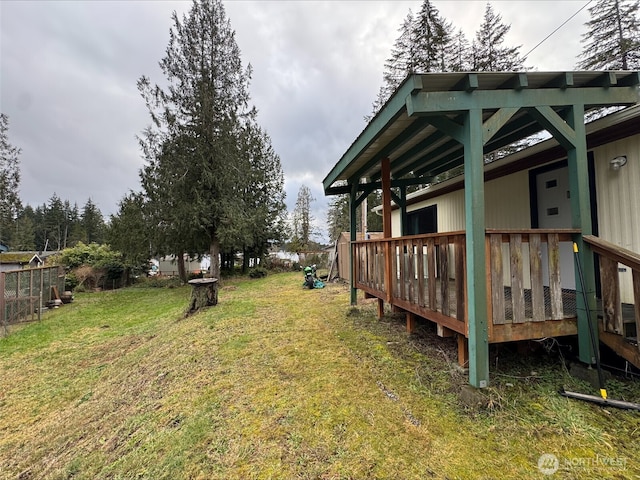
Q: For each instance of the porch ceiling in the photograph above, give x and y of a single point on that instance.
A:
(418, 128)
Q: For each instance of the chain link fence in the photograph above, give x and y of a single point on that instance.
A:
(24, 294)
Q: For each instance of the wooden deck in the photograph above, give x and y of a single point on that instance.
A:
(524, 301)
(426, 276)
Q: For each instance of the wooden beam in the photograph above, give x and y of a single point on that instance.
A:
(438, 103)
(386, 197)
(463, 351)
(581, 219)
(412, 322)
(513, 332)
(496, 122)
(475, 250)
(352, 230)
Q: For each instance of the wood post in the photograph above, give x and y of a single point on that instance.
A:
(380, 308)
(412, 322)
(463, 351)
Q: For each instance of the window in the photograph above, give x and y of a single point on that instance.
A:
(423, 221)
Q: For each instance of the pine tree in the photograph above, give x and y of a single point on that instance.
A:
(488, 52)
(128, 233)
(195, 170)
(338, 216)
(613, 39)
(433, 38)
(302, 221)
(92, 223)
(9, 180)
(424, 45)
(459, 54)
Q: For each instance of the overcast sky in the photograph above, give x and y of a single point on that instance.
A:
(68, 72)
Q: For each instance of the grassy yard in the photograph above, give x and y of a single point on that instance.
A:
(280, 382)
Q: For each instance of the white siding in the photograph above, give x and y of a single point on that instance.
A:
(618, 197)
(506, 206)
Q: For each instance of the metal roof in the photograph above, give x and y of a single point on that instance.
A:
(416, 128)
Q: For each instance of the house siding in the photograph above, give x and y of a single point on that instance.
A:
(506, 206)
(618, 199)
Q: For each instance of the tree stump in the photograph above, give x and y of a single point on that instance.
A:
(204, 293)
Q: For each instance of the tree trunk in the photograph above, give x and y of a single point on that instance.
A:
(182, 272)
(215, 257)
(245, 261)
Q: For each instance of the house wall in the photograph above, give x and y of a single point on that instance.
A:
(618, 198)
(506, 206)
(169, 266)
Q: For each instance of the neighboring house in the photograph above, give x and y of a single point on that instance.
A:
(168, 266)
(19, 261)
(489, 257)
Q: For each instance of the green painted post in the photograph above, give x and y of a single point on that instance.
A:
(581, 218)
(475, 243)
(352, 230)
(404, 219)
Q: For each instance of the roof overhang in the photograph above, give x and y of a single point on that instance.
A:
(419, 128)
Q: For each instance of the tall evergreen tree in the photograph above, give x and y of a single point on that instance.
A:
(92, 222)
(193, 148)
(612, 41)
(433, 35)
(338, 216)
(9, 181)
(488, 49)
(423, 45)
(55, 223)
(23, 238)
(128, 233)
(302, 221)
(263, 196)
(459, 54)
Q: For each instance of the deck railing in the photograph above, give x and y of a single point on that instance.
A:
(613, 261)
(425, 274)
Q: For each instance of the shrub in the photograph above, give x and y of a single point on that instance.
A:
(258, 272)
(70, 281)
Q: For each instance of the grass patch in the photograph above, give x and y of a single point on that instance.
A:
(280, 382)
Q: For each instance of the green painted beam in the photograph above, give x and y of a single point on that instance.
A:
(401, 182)
(468, 83)
(475, 254)
(352, 229)
(404, 219)
(391, 111)
(406, 135)
(437, 103)
(563, 80)
(517, 82)
(364, 190)
(395, 198)
(581, 218)
(498, 120)
(449, 127)
(412, 152)
(449, 148)
(555, 125)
